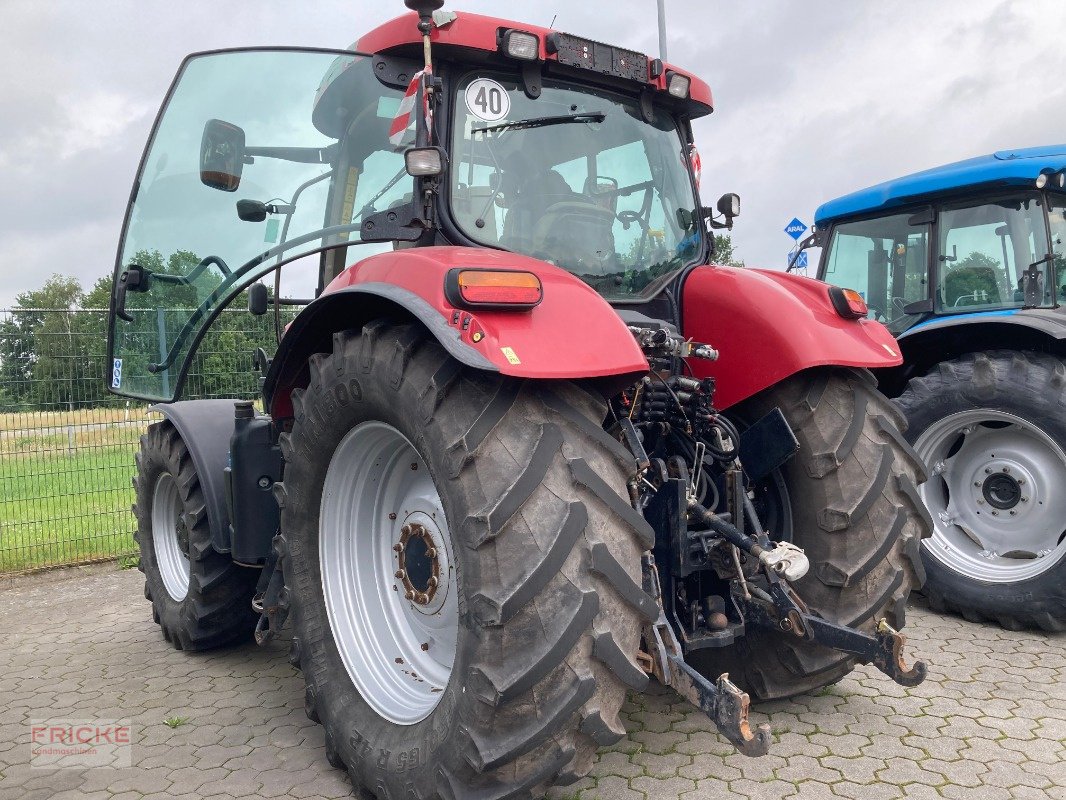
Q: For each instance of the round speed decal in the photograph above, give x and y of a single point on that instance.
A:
(487, 100)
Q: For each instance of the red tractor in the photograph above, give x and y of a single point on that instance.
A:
(526, 447)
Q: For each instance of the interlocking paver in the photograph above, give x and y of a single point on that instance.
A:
(989, 723)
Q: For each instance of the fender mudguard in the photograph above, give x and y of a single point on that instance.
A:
(206, 427)
(769, 325)
(572, 334)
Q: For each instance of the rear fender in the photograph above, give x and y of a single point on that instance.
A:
(206, 427)
(572, 334)
(769, 325)
(946, 338)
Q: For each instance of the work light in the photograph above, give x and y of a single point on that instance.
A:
(677, 85)
(521, 45)
(424, 161)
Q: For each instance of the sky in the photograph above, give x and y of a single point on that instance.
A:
(812, 99)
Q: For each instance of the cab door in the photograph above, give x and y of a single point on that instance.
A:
(237, 179)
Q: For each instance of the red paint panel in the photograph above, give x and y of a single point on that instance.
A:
(479, 32)
(573, 333)
(770, 325)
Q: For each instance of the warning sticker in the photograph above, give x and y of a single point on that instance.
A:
(116, 374)
(487, 100)
(509, 354)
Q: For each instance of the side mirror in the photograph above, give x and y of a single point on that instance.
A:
(728, 206)
(222, 155)
(258, 299)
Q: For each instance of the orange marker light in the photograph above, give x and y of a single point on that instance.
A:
(480, 288)
(848, 303)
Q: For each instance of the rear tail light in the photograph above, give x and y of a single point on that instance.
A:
(493, 288)
(848, 303)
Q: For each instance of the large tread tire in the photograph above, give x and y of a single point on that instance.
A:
(217, 608)
(549, 549)
(1033, 387)
(856, 513)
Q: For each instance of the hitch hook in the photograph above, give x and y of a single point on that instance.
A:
(889, 658)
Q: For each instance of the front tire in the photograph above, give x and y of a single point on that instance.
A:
(200, 598)
(854, 509)
(543, 569)
(992, 429)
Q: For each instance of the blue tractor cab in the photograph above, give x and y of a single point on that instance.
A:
(966, 265)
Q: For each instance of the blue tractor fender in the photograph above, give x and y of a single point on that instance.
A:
(206, 427)
(945, 338)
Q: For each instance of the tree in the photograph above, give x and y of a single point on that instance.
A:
(723, 251)
(972, 280)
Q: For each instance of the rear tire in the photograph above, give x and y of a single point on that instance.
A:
(200, 598)
(854, 510)
(981, 565)
(546, 556)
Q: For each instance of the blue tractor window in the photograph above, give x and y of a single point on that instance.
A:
(985, 252)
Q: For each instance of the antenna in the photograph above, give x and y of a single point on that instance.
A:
(554, 17)
(662, 30)
(425, 9)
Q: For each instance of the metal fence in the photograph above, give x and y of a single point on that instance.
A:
(67, 446)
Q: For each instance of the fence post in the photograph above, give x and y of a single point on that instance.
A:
(161, 327)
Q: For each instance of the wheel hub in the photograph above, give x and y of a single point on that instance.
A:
(1001, 490)
(418, 563)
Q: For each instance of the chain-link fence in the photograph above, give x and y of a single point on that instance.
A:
(67, 446)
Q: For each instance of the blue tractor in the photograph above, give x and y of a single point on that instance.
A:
(966, 265)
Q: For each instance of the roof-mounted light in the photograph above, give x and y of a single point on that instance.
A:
(522, 45)
(677, 85)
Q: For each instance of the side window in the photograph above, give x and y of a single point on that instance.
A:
(885, 259)
(1057, 218)
(985, 251)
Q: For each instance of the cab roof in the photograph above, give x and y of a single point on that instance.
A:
(479, 32)
(1003, 168)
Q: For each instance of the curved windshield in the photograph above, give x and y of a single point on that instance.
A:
(575, 177)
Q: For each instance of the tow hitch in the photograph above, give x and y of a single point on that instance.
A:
(722, 701)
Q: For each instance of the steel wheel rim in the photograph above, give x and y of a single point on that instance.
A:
(170, 537)
(397, 650)
(995, 495)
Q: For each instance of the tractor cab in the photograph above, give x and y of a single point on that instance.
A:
(983, 236)
(514, 138)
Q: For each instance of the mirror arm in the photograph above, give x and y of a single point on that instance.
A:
(302, 155)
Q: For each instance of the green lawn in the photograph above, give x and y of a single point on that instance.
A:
(63, 505)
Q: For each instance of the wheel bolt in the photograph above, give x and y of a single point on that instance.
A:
(977, 483)
(406, 530)
(401, 574)
(396, 548)
(1021, 481)
(392, 515)
(980, 501)
(1013, 512)
(1006, 469)
(410, 595)
(432, 582)
(988, 470)
(431, 552)
(1025, 499)
(995, 513)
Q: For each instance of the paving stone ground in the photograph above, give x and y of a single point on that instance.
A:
(990, 722)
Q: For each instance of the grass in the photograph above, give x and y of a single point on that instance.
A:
(65, 493)
(175, 722)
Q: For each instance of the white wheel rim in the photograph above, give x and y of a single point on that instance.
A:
(170, 537)
(995, 492)
(381, 511)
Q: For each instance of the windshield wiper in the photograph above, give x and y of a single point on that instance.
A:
(542, 122)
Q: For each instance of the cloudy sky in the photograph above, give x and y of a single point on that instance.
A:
(813, 99)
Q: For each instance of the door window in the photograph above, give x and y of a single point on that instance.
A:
(985, 255)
